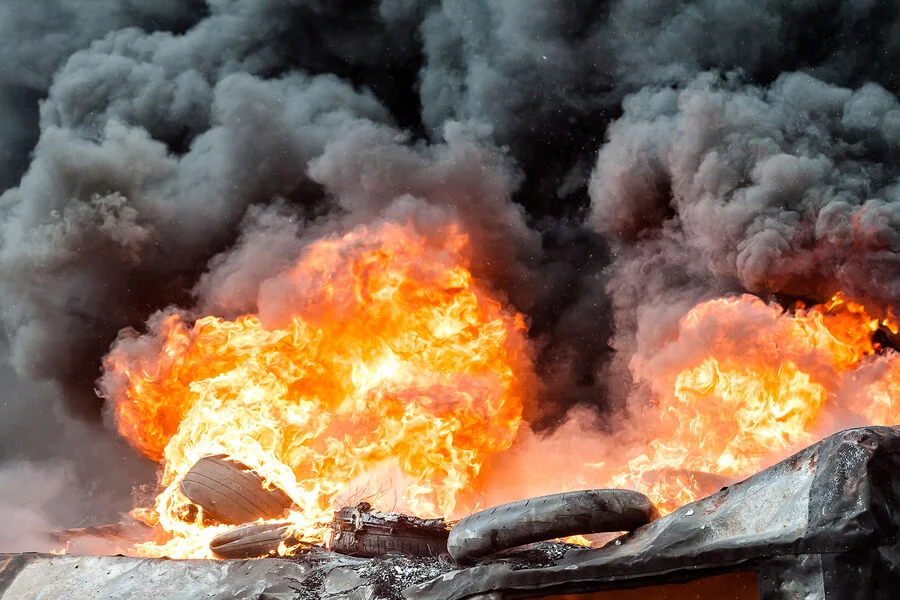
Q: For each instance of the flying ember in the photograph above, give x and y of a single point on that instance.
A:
(376, 365)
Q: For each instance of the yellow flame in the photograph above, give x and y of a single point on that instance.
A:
(388, 365)
(741, 397)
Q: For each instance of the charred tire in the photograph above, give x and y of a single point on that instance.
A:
(548, 517)
(371, 544)
(250, 541)
(230, 493)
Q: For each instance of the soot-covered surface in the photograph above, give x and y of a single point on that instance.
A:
(819, 525)
(324, 575)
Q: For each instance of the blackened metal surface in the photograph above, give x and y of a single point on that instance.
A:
(798, 576)
(317, 575)
(42, 576)
(10, 565)
(829, 508)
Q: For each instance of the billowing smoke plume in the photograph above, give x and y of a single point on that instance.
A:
(719, 186)
(181, 153)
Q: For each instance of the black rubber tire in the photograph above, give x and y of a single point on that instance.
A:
(548, 517)
(230, 493)
(369, 544)
(250, 541)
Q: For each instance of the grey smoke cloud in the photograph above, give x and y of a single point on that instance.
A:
(37, 38)
(56, 472)
(25, 524)
(549, 76)
(371, 172)
(839, 41)
(181, 153)
(95, 223)
(722, 186)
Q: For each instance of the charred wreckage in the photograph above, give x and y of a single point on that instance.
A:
(820, 524)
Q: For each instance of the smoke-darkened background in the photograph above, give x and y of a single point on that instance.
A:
(613, 162)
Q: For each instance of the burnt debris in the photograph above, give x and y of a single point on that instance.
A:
(256, 541)
(364, 532)
(820, 524)
(355, 531)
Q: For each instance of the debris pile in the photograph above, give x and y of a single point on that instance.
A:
(771, 536)
(361, 531)
(227, 491)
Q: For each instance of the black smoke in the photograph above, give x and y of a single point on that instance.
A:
(614, 162)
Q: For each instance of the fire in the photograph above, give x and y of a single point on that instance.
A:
(746, 383)
(378, 364)
(576, 540)
(377, 361)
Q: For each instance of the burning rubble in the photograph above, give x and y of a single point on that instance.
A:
(377, 355)
(378, 366)
(361, 531)
(731, 404)
(816, 524)
(357, 278)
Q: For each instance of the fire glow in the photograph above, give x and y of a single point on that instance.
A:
(746, 383)
(393, 360)
(388, 362)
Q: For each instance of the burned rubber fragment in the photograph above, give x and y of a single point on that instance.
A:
(361, 531)
(373, 543)
(253, 541)
(229, 492)
(548, 517)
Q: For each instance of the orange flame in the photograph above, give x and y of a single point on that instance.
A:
(576, 540)
(747, 383)
(378, 360)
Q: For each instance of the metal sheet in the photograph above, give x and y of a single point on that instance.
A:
(42, 577)
(838, 498)
(317, 575)
(821, 525)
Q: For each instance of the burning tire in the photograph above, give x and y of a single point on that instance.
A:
(251, 541)
(548, 517)
(229, 492)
